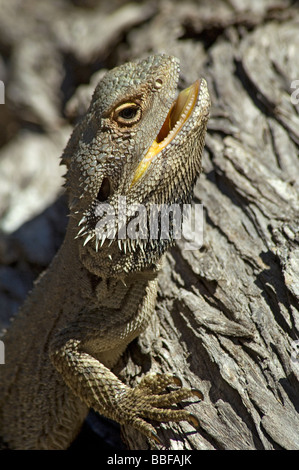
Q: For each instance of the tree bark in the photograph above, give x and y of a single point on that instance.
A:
(227, 319)
(227, 315)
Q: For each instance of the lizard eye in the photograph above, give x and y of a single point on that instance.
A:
(127, 113)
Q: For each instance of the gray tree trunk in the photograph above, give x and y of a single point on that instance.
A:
(227, 315)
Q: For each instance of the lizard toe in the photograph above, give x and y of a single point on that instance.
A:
(171, 398)
(157, 383)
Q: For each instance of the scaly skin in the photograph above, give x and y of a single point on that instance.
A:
(98, 295)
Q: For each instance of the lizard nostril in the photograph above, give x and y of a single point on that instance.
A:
(105, 190)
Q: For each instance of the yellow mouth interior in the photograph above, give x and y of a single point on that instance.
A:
(176, 118)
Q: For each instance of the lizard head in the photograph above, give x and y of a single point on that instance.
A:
(138, 147)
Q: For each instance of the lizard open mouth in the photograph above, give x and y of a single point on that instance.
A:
(178, 114)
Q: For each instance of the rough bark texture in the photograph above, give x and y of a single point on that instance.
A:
(227, 314)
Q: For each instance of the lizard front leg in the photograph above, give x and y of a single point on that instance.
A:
(100, 389)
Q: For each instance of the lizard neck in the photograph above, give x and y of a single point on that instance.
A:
(104, 265)
(109, 261)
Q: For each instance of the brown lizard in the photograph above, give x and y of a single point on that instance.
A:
(138, 141)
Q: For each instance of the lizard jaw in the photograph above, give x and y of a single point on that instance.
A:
(177, 116)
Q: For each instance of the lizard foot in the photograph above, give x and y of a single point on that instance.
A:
(149, 400)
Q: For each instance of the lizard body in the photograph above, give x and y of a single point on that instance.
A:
(98, 294)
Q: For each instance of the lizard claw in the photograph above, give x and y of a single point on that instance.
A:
(177, 381)
(197, 393)
(194, 420)
(156, 438)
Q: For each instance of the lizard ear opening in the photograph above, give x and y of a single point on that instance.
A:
(105, 190)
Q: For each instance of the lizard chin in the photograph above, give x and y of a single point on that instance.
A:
(177, 116)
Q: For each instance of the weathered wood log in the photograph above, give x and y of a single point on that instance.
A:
(227, 316)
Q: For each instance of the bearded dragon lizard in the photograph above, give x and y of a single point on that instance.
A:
(138, 141)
